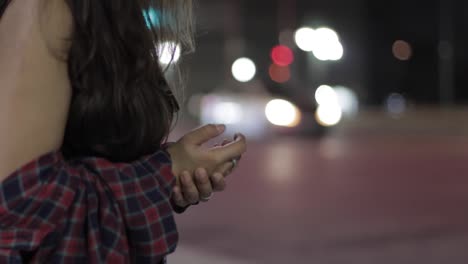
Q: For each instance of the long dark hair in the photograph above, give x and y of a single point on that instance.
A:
(121, 106)
(3, 5)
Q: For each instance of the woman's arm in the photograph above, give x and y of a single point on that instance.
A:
(34, 86)
(39, 196)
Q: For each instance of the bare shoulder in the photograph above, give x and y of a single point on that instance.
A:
(34, 88)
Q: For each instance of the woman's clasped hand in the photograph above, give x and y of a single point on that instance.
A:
(199, 170)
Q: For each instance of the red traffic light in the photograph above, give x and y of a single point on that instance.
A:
(282, 55)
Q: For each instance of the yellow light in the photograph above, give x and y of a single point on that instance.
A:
(282, 113)
(325, 95)
(328, 114)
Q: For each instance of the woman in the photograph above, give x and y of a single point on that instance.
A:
(84, 112)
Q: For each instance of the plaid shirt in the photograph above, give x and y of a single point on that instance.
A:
(88, 211)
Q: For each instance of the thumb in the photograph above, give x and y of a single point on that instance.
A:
(204, 133)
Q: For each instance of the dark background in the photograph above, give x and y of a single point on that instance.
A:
(380, 187)
(367, 30)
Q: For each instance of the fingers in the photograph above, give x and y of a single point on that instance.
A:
(225, 142)
(178, 197)
(203, 184)
(204, 133)
(226, 168)
(189, 190)
(232, 150)
(218, 182)
(194, 189)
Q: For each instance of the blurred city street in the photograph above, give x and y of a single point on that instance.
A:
(376, 190)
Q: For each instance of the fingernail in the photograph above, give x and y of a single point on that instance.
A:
(221, 128)
(200, 177)
(238, 136)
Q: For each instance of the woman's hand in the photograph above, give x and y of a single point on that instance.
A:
(198, 188)
(200, 185)
(188, 154)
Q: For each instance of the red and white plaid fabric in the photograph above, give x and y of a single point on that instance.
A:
(88, 210)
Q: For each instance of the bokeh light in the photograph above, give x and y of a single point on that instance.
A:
(329, 51)
(152, 17)
(169, 52)
(348, 100)
(327, 45)
(282, 55)
(396, 104)
(330, 111)
(282, 113)
(327, 34)
(227, 113)
(328, 114)
(279, 74)
(244, 69)
(304, 38)
(325, 95)
(402, 50)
